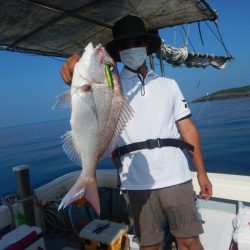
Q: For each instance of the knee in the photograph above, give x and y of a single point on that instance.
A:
(189, 243)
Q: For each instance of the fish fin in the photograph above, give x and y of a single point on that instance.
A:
(84, 187)
(91, 194)
(75, 193)
(126, 114)
(69, 148)
(63, 100)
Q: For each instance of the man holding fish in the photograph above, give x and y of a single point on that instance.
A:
(154, 172)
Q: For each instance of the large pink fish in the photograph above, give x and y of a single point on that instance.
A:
(98, 115)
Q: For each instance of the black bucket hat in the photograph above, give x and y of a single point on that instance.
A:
(130, 27)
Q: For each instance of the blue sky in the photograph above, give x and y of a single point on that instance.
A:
(29, 84)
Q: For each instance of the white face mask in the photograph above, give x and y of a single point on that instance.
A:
(133, 58)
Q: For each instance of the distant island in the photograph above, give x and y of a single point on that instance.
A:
(225, 94)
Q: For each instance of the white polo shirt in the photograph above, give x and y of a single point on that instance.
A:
(155, 117)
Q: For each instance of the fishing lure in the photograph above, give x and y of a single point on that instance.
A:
(108, 68)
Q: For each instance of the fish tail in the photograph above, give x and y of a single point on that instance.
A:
(84, 187)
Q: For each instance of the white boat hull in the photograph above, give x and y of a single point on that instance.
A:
(229, 192)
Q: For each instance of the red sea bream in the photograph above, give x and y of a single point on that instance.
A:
(99, 112)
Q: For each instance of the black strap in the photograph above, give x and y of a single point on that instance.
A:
(140, 78)
(151, 144)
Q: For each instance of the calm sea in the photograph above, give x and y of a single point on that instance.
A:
(224, 128)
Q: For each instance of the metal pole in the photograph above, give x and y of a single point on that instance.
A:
(24, 192)
(151, 61)
(161, 64)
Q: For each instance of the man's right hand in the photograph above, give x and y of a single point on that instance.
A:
(68, 68)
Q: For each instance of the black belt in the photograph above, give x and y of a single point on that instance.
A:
(150, 144)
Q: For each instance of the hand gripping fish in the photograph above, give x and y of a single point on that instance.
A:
(98, 114)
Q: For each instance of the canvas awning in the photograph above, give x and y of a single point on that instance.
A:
(62, 28)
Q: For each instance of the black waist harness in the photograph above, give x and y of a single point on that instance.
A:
(151, 144)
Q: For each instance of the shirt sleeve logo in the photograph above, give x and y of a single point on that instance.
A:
(185, 103)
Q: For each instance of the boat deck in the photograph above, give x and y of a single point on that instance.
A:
(64, 242)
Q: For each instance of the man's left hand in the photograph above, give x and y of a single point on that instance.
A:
(205, 186)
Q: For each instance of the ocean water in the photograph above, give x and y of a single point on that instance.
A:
(224, 127)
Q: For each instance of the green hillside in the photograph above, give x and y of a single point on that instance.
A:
(226, 94)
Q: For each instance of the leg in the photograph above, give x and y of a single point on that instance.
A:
(189, 243)
(183, 217)
(147, 217)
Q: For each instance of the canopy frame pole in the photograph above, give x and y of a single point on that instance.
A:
(161, 64)
(68, 13)
(151, 61)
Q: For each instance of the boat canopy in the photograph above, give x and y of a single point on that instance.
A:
(62, 28)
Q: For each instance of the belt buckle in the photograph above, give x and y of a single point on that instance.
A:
(154, 143)
(159, 142)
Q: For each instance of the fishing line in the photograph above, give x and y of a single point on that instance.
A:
(202, 108)
(206, 102)
(201, 78)
(208, 99)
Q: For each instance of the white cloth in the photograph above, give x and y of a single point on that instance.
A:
(155, 115)
(241, 224)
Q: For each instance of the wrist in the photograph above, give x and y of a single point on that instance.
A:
(201, 174)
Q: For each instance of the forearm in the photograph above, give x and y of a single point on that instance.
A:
(193, 138)
(190, 134)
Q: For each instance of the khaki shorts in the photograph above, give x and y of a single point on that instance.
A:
(148, 210)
